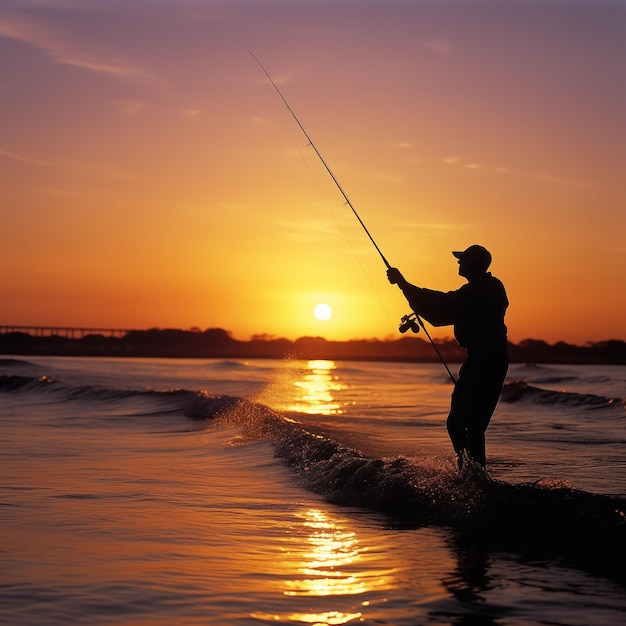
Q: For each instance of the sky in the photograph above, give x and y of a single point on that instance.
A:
(150, 176)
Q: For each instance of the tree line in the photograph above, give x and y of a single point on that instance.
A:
(219, 343)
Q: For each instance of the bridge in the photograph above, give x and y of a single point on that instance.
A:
(62, 331)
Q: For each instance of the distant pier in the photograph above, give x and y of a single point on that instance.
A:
(63, 331)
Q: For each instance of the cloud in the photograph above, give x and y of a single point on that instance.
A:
(104, 171)
(439, 46)
(229, 206)
(23, 159)
(59, 191)
(46, 39)
(191, 113)
(387, 178)
(426, 226)
(128, 107)
(555, 180)
(315, 228)
(473, 165)
(97, 170)
(568, 182)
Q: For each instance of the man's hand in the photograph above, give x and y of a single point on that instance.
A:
(395, 277)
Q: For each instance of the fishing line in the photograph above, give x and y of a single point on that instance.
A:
(330, 172)
(329, 206)
(410, 321)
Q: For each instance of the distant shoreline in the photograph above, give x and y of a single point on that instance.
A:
(219, 343)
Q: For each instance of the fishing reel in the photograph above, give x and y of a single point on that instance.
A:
(409, 322)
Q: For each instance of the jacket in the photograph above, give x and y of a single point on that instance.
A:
(476, 310)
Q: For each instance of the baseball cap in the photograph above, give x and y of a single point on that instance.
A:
(476, 255)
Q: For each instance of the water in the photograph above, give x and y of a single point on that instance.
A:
(149, 492)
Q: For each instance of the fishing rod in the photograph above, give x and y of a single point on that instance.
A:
(321, 158)
(411, 321)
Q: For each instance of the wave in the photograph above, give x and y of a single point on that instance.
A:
(22, 383)
(10, 363)
(543, 519)
(519, 390)
(547, 375)
(193, 404)
(228, 364)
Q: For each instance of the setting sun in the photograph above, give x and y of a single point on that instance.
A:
(322, 312)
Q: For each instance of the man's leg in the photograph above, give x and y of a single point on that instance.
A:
(457, 421)
(487, 386)
(476, 446)
(473, 402)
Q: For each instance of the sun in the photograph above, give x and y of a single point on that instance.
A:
(322, 312)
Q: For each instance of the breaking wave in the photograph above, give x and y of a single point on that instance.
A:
(520, 390)
(543, 518)
(546, 519)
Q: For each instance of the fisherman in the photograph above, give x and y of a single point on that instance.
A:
(477, 312)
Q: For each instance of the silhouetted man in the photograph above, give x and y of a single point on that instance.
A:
(477, 312)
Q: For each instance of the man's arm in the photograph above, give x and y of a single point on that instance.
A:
(430, 304)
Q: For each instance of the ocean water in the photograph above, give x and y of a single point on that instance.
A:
(201, 492)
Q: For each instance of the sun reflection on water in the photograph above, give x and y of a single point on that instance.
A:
(316, 390)
(331, 549)
(306, 387)
(319, 619)
(326, 565)
(329, 562)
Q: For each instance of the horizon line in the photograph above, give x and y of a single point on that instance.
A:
(69, 331)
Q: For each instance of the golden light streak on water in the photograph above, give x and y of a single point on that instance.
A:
(316, 390)
(330, 561)
(309, 387)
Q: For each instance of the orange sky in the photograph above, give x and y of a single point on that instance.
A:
(151, 178)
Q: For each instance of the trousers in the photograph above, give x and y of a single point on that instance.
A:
(474, 400)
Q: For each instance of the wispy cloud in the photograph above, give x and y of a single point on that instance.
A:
(229, 206)
(97, 170)
(129, 107)
(260, 120)
(105, 171)
(387, 178)
(315, 228)
(568, 182)
(45, 38)
(555, 180)
(471, 165)
(426, 226)
(439, 46)
(24, 159)
(62, 191)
